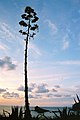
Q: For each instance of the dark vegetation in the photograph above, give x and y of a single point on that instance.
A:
(18, 114)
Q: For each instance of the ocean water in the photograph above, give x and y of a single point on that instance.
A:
(33, 112)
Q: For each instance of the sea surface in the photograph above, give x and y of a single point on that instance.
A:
(33, 112)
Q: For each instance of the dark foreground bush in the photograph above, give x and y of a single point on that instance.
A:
(17, 114)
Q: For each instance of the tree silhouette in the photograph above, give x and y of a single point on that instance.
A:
(28, 22)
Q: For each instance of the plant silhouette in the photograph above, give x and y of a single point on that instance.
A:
(76, 105)
(28, 22)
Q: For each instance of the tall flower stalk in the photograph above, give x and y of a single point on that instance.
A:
(28, 23)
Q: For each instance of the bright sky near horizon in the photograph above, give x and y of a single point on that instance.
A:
(53, 55)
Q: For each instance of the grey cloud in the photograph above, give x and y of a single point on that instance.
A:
(21, 88)
(57, 95)
(35, 88)
(31, 96)
(6, 61)
(54, 90)
(35, 96)
(49, 95)
(57, 86)
(42, 89)
(9, 95)
(32, 87)
(67, 95)
(2, 90)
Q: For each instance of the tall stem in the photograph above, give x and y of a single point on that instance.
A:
(26, 76)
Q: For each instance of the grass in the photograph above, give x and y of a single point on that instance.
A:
(64, 114)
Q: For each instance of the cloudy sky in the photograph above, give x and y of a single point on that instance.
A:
(53, 55)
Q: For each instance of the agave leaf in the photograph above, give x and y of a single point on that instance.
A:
(60, 112)
(78, 98)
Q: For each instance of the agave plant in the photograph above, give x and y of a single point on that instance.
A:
(29, 30)
(76, 105)
(63, 114)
